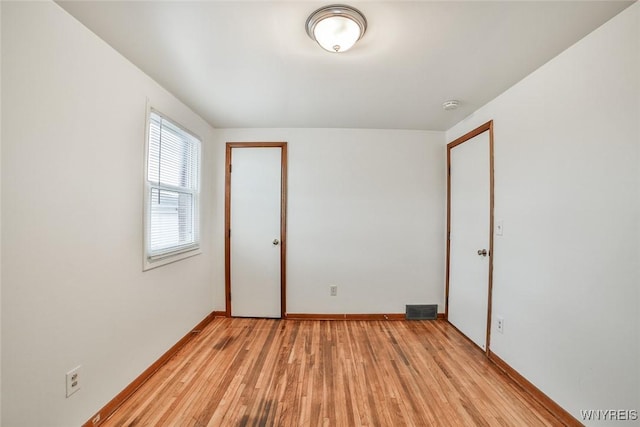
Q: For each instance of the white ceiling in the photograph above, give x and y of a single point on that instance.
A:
(251, 64)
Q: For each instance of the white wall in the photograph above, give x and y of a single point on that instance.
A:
(72, 178)
(365, 213)
(566, 270)
(0, 217)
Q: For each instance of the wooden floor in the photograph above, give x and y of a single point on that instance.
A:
(259, 372)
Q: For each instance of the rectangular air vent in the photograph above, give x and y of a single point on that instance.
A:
(422, 312)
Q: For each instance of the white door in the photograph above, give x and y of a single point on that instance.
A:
(469, 238)
(255, 231)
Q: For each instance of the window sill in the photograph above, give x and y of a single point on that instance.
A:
(151, 264)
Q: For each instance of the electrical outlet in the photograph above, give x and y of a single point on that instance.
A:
(73, 380)
(500, 324)
(333, 290)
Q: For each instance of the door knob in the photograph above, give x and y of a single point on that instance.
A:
(276, 242)
(482, 252)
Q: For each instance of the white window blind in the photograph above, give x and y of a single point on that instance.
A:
(172, 190)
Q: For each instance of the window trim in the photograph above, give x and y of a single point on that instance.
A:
(187, 251)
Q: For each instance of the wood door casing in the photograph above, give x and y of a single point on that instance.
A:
(486, 127)
(283, 219)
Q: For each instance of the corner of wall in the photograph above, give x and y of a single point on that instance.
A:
(0, 217)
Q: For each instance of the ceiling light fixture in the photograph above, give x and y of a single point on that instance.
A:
(336, 28)
(451, 104)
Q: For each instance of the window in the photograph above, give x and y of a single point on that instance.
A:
(172, 192)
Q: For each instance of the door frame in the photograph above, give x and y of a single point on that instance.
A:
(487, 127)
(283, 220)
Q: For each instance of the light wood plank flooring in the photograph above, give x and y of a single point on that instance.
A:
(259, 372)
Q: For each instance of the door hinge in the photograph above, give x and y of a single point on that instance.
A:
(230, 167)
(229, 233)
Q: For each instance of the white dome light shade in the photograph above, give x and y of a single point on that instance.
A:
(336, 28)
(337, 33)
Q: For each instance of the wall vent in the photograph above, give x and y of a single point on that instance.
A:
(422, 312)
